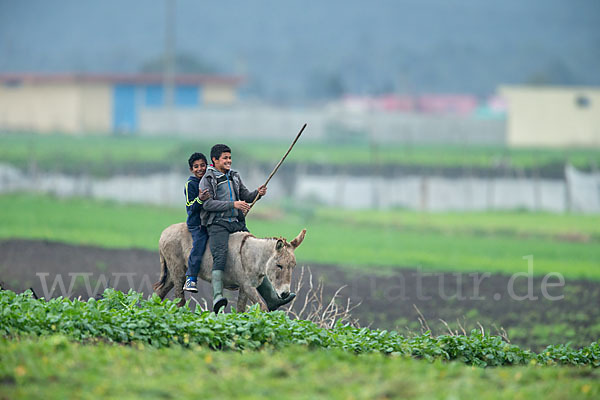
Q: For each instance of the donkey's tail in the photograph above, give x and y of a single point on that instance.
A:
(164, 272)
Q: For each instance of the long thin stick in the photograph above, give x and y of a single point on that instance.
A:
(278, 165)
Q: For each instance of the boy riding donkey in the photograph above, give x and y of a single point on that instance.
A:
(193, 205)
(223, 213)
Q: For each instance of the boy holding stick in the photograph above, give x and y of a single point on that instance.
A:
(223, 213)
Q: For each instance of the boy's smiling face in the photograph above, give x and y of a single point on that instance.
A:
(223, 163)
(198, 168)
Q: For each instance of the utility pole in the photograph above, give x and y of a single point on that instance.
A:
(169, 56)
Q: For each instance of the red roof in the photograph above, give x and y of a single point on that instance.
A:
(138, 79)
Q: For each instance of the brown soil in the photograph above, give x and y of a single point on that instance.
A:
(389, 299)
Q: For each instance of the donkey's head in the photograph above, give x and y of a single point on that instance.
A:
(281, 265)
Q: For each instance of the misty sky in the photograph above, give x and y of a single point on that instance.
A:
(292, 50)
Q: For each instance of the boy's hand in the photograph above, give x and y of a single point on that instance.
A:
(242, 206)
(204, 195)
(262, 190)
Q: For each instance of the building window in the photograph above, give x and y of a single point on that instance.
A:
(186, 96)
(582, 101)
(154, 96)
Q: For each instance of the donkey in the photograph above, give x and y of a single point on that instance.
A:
(249, 260)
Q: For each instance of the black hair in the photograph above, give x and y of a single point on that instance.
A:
(219, 149)
(195, 157)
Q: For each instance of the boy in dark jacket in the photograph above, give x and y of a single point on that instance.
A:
(193, 204)
(223, 213)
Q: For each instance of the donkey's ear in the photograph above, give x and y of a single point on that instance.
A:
(280, 244)
(298, 239)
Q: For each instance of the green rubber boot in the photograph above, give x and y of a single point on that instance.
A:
(271, 297)
(219, 301)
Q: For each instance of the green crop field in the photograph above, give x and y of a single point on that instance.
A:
(125, 347)
(69, 349)
(106, 155)
(492, 242)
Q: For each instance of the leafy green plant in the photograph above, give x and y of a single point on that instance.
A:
(127, 318)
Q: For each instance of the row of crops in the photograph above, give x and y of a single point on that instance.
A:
(129, 319)
(108, 155)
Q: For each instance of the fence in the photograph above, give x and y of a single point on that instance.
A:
(577, 192)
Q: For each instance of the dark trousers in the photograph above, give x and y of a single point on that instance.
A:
(199, 237)
(219, 240)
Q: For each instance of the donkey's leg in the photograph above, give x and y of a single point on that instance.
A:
(178, 281)
(242, 301)
(161, 287)
(162, 291)
(253, 295)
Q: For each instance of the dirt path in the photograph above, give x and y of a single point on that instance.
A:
(535, 317)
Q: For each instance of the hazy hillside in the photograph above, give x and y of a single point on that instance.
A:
(294, 50)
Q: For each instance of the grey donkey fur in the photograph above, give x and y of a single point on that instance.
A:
(248, 261)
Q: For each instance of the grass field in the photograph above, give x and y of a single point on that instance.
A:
(57, 367)
(124, 346)
(492, 242)
(54, 368)
(106, 155)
